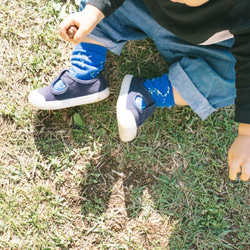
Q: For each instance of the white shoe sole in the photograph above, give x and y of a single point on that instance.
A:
(38, 101)
(125, 118)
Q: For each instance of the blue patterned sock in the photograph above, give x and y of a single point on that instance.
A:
(160, 90)
(87, 60)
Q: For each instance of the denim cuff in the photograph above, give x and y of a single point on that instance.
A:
(189, 92)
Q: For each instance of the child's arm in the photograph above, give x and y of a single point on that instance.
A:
(239, 154)
(85, 21)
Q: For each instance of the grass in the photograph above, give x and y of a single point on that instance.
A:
(67, 181)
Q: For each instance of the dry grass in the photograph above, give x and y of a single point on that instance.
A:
(65, 186)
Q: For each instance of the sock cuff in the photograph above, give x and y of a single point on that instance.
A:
(87, 60)
(90, 48)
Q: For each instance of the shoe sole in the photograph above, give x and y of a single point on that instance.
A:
(37, 100)
(126, 122)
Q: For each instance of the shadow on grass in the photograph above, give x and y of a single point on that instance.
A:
(197, 202)
(113, 175)
(56, 136)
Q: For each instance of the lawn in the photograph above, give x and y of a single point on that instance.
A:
(68, 182)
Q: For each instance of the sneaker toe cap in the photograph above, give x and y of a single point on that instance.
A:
(36, 99)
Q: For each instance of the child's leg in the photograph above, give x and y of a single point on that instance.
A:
(201, 76)
(138, 99)
(204, 76)
(83, 83)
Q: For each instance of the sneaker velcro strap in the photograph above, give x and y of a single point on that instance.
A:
(61, 83)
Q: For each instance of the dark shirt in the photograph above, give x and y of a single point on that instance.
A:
(197, 24)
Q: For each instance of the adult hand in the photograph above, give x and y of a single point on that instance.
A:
(85, 21)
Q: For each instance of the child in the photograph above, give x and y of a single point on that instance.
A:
(205, 42)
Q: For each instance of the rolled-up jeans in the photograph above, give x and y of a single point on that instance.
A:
(203, 75)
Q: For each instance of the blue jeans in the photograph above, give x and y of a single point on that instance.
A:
(204, 76)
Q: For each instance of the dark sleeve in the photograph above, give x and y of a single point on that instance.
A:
(241, 52)
(106, 6)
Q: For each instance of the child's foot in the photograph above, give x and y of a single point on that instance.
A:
(134, 106)
(67, 91)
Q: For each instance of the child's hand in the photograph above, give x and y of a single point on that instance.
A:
(85, 21)
(239, 154)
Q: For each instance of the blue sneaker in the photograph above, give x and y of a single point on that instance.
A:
(67, 91)
(134, 106)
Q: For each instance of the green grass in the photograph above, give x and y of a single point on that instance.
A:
(68, 182)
